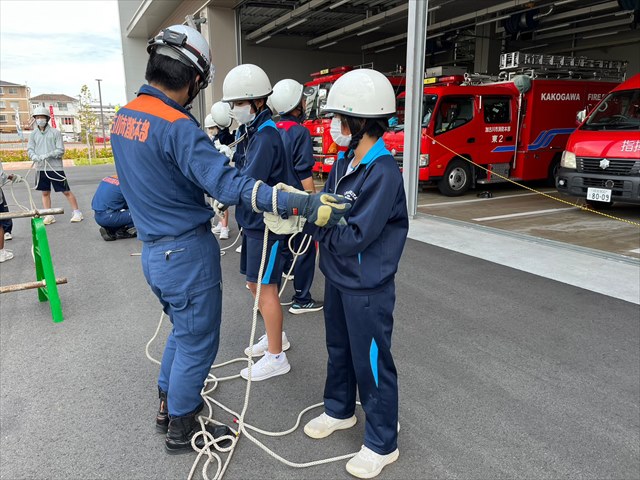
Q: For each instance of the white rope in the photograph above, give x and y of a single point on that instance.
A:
(212, 382)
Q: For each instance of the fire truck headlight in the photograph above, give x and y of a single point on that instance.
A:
(568, 160)
(424, 160)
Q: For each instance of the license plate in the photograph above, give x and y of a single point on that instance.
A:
(599, 194)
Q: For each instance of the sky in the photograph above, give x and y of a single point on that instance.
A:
(57, 46)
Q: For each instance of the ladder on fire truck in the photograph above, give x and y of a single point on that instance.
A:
(538, 65)
(561, 66)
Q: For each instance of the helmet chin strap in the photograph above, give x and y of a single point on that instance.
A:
(194, 89)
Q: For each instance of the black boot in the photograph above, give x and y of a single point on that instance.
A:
(126, 233)
(107, 235)
(182, 429)
(162, 419)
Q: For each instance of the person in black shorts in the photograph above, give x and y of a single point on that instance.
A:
(46, 149)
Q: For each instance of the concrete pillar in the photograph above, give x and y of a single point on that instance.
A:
(487, 50)
(220, 31)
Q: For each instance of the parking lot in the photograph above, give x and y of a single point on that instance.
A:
(503, 373)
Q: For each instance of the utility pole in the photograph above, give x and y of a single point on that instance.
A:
(104, 137)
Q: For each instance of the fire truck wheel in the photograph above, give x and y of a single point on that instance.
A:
(554, 166)
(456, 180)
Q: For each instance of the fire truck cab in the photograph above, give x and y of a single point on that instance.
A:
(515, 128)
(324, 148)
(602, 158)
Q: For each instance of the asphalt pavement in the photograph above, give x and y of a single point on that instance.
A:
(503, 373)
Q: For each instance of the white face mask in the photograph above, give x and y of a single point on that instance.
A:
(336, 133)
(41, 122)
(243, 114)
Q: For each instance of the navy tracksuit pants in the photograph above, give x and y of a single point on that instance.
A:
(359, 331)
(304, 269)
(184, 273)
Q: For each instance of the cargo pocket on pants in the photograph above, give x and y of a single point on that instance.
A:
(206, 310)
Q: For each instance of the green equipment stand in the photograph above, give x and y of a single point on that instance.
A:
(44, 269)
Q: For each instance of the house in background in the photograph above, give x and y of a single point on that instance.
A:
(14, 97)
(65, 111)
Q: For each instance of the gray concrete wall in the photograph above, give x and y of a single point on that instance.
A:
(134, 51)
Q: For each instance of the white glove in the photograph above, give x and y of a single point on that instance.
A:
(219, 208)
(282, 226)
(226, 151)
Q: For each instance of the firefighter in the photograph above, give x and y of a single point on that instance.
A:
(289, 103)
(359, 261)
(165, 164)
(246, 88)
(111, 211)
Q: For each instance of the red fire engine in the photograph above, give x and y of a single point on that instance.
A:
(316, 91)
(515, 126)
(602, 159)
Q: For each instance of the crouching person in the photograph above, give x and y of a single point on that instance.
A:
(111, 211)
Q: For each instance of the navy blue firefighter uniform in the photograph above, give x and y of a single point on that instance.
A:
(165, 163)
(109, 206)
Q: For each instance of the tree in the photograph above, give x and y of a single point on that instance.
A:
(88, 119)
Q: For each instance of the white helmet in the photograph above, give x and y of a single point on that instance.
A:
(187, 45)
(245, 82)
(221, 114)
(41, 111)
(208, 122)
(362, 93)
(286, 96)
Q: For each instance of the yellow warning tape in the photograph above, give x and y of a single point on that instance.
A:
(581, 207)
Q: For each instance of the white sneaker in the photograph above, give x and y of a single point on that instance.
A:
(324, 425)
(5, 255)
(224, 233)
(262, 346)
(77, 216)
(239, 249)
(7, 236)
(267, 367)
(216, 229)
(49, 219)
(368, 464)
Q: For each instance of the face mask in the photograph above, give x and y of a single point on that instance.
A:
(41, 122)
(243, 114)
(336, 133)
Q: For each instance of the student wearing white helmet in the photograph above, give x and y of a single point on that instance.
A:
(165, 165)
(263, 156)
(220, 121)
(45, 149)
(289, 103)
(359, 261)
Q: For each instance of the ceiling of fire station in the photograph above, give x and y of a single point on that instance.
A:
(378, 25)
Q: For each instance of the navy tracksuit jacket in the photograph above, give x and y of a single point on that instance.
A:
(297, 140)
(224, 136)
(359, 261)
(263, 156)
